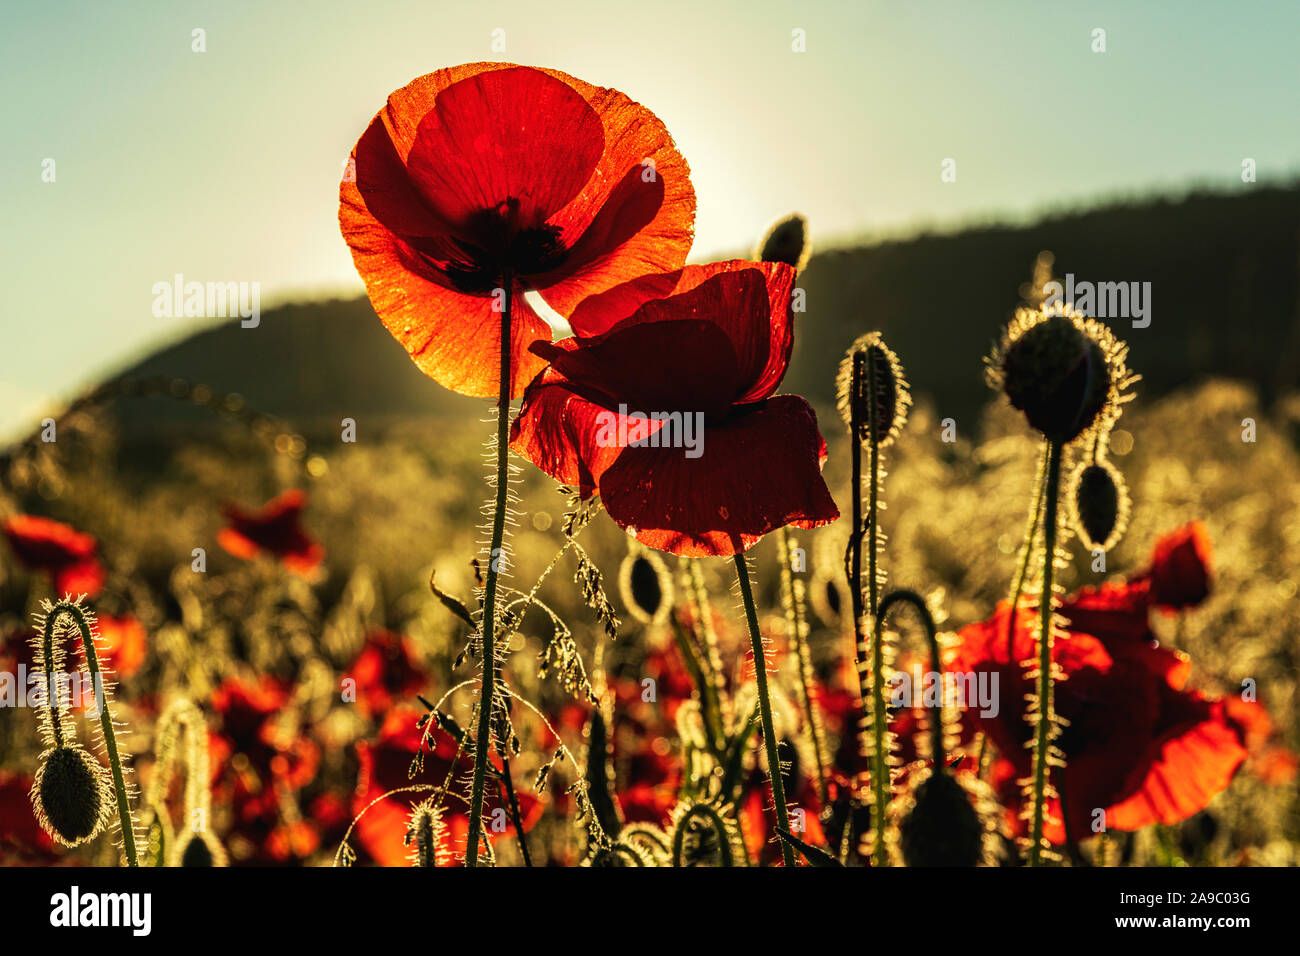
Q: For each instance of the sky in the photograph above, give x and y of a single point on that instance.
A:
(223, 165)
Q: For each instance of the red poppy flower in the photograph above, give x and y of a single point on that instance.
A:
(122, 644)
(273, 530)
(1138, 744)
(66, 554)
(259, 763)
(1181, 568)
(384, 672)
(696, 369)
(476, 171)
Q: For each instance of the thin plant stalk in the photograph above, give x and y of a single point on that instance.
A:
(855, 542)
(904, 596)
(795, 622)
(1027, 551)
(490, 586)
(105, 715)
(765, 708)
(1043, 729)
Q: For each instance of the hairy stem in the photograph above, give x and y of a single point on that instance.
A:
(105, 716)
(879, 716)
(855, 544)
(714, 819)
(904, 596)
(794, 621)
(1027, 550)
(765, 707)
(490, 587)
(1043, 730)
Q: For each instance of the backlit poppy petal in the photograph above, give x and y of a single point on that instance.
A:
(725, 500)
(728, 294)
(475, 172)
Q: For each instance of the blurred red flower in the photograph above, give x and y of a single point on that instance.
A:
(1181, 568)
(486, 168)
(1138, 743)
(22, 840)
(385, 672)
(273, 530)
(122, 644)
(717, 346)
(66, 554)
(259, 765)
(384, 766)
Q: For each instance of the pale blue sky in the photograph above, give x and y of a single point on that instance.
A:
(224, 165)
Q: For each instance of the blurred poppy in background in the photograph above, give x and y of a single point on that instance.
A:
(273, 530)
(65, 553)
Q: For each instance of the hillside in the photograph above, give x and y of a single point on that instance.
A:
(1224, 299)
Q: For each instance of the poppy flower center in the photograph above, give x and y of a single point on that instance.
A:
(499, 242)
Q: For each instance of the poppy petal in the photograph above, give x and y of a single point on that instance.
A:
(725, 500)
(730, 294)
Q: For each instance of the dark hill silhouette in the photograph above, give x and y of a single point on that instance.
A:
(1225, 301)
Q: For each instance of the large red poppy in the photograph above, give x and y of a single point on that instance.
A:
(1139, 744)
(67, 554)
(484, 169)
(273, 530)
(716, 343)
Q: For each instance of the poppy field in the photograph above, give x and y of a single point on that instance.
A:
(650, 608)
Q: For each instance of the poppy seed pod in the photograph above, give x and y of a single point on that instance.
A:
(891, 397)
(1057, 376)
(1099, 502)
(645, 586)
(787, 241)
(939, 824)
(71, 795)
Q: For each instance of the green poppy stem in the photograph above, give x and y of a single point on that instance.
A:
(765, 707)
(794, 614)
(486, 708)
(905, 596)
(105, 715)
(1043, 730)
(1027, 551)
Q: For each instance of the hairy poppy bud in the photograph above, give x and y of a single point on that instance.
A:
(1099, 500)
(199, 848)
(620, 854)
(71, 795)
(786, 241)
(425, 834)
(645, 586)
(1054, 373)
(887, 404)
(941, 822)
